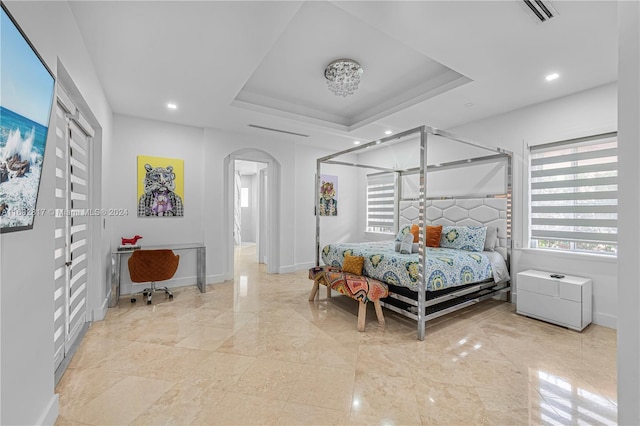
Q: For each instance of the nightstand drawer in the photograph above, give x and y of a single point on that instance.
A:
(539, 284)
(551, 309)
(564, 301)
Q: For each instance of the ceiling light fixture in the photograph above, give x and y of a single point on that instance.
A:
(343, 76)
(172, 106)
(356, 142)
(552, 77)
(388, 132)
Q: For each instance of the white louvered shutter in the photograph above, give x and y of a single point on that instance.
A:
(72, 227)
(381, 202)
(574, 195)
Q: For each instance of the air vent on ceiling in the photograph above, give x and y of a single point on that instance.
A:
(541, 10)
(278, 130)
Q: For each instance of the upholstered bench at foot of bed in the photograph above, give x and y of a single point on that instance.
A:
(360, 288)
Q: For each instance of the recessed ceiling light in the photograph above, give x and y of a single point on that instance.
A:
(356, 142)
(172, 106)
(388, 132)
(552, 77)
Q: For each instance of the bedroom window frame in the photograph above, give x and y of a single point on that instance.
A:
(378, 189)
(575, 223)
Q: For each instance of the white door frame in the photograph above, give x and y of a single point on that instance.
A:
(273, 214)
(263, 228)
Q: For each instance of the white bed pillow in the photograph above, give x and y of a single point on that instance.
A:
(491, 241)
(406, 244)
(415, 247)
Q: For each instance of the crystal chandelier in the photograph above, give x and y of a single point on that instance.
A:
(343, 76)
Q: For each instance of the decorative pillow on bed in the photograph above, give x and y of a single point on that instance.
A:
(406, 244)
(415, 230)
(415, 247)
(404, 230)
(433, 235)
(353, 264)
(491, 241)
(463, 237)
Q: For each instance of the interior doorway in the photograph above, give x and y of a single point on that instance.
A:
(250, 212)
(267, 193)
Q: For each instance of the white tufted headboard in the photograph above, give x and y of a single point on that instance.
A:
(467, 211)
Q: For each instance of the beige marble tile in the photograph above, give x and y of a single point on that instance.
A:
(270, 379)
(121, 403)
(94, 350)
(180, 405)
(246, 342)
(62, 421)
(294, 414)
(582, 409)
(385, 397)
(324, 387)
(496, 399)
(232, 320)
(446, 404)
(241, 409)
(205, 338)
(219, 371)
(79, 386)
(269, 356)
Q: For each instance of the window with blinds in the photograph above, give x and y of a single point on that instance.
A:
(381, 202)
(574, 195)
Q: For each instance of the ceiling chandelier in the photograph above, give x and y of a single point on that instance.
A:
(343, 76)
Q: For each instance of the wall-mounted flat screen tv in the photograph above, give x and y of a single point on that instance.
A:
(26, 97)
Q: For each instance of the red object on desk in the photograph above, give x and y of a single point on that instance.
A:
(131, 241)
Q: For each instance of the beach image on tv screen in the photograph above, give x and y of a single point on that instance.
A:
(25, 106)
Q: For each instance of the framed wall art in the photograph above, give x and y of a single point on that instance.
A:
(328, 195)
(160, 187)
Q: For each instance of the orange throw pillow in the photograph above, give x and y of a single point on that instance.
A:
(433, 235)
(415, 230)
(353, 264)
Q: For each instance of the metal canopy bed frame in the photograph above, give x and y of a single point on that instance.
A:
(421, 307)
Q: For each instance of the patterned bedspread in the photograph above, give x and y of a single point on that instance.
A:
(445, 267)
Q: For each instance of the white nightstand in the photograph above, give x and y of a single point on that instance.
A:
(563, 301)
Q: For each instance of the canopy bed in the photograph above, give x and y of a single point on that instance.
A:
(472, 261)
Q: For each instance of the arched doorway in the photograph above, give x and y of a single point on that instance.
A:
(272, 246)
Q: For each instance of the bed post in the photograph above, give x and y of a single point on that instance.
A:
(317, 211)
(422, 279)
(509, 179)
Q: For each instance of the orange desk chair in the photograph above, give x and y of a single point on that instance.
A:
(152, 266)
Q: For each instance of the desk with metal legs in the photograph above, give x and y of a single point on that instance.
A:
(116, 261)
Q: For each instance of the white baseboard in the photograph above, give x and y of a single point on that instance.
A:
(50, 414)
(605, 320)
(98, 314)
(286, 269)
(305, 266)
(297, 267)
(214, 279)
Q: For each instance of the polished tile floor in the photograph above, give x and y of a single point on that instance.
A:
(256, 351)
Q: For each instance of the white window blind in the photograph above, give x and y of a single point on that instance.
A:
(574, 195)
(381, 193)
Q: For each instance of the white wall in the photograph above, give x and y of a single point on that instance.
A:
(204, 151)
(26, 294)
(586, 113)
(629, 204)
(250, 213)
(133, 137)
(216, 147)
(344, 227)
